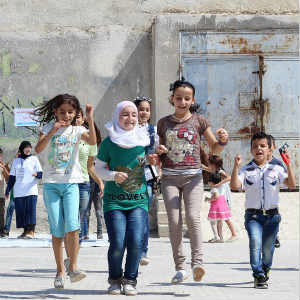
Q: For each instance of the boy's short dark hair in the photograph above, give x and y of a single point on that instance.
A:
(262, 135)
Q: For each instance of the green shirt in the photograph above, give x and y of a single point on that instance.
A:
(86, 150)
(132, 192)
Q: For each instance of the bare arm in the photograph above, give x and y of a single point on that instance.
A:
(45, 138)
(235, 183)
(90, 136)
(216, 145)
(290, 181)
(5, 171)
(92, 172)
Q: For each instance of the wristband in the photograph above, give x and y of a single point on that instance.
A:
(222, 143)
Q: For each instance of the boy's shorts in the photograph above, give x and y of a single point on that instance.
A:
(62, 204)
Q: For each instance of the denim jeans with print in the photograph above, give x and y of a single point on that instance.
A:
(125, 229)
(262, 231)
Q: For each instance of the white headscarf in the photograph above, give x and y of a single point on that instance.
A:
(138, 136)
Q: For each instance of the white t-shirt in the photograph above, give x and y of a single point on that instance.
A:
(220, 190)
(62, 155)
(26, 184)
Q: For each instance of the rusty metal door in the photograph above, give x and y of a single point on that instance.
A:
(281, 93)
(245, 82)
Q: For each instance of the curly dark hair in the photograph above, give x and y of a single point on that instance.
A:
(46, 111)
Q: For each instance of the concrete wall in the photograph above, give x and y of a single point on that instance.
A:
(100, 51)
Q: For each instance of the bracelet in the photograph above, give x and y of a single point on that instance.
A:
(222, 143)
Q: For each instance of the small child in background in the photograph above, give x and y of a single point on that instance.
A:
(219, 210)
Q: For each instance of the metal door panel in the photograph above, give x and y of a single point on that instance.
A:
(246, 81)
(242, 42)
(218, 81)
(281, 88)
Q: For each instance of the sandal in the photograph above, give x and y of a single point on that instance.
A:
(212, 240)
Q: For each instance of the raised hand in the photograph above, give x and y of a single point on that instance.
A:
(89, 111)
(222, 135)
(154, 159)
(238, 160)
(285, 157)
(59, 124)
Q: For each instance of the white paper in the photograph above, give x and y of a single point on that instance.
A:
(25, 117)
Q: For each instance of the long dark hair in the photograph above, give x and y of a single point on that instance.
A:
(183, 83)
(217, 161)
(86, 125)
(46, 111)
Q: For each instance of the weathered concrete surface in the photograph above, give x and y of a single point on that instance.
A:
(100, 51)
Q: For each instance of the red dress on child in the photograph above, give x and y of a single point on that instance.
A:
(219, 209)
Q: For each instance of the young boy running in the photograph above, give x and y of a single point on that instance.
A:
(261, 181)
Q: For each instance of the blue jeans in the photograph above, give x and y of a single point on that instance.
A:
(9, 213)
(84, 196)
(147, 227)
(97, 201)
(262, 231)
(125, 230)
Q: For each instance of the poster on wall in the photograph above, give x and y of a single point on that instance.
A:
(25, 117)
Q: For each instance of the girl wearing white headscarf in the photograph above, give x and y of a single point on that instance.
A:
(121, 161)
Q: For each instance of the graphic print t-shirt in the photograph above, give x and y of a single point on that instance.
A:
(182, 141)
(132, 192)
(62, 155)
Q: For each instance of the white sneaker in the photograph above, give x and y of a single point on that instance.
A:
(144, 261)
(198, 272)
(114, 289)
(179, 277)
(129, 289)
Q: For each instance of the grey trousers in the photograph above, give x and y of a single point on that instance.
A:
(191, 189)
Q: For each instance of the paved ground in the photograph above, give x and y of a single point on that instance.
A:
(289, 209)
(27, 273)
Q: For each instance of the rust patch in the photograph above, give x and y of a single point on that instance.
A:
(241, 45)
(250, 129)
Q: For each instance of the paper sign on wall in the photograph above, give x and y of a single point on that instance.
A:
(25, 117)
